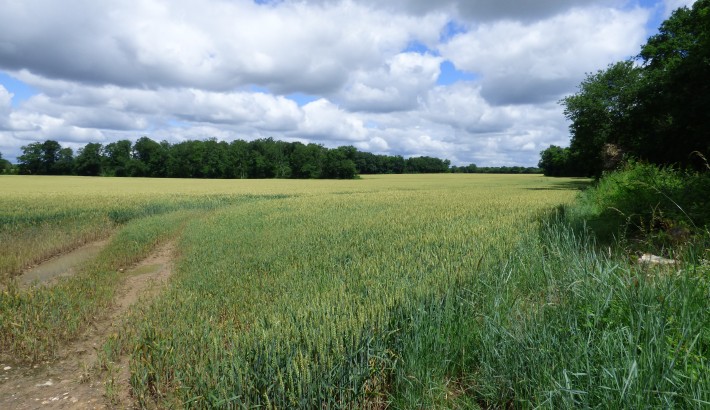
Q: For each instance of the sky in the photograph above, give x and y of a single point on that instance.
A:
(475, 81)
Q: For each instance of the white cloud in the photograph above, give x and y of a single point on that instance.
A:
(672, 5)
(463, 107)
(325, 121)
(5, 98)
(538, 62)
(479, 10)
(5, 107)
(188, 69)
(374, 145)
(5, 104)
(210, 45)
(397, 86)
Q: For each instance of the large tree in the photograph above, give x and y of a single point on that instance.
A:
(306, 161)
(428, 165)
(89, 161)
(604, 111)
(45, 158)
(677, 94)
(554, 161)
(5, 165)
(654, 108)
(150, 158)
(118, 158)
(64, 164)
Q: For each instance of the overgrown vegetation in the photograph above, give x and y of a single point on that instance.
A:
(635, 334)
(647, 208)
(35, 321)
(34, 228)
(653, 109)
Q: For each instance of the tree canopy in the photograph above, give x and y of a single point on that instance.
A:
(261, 158)
(5, 165)
(653, 108)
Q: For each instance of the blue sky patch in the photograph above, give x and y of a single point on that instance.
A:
(450, 30)
(258, 89)
(178, 123)
(21, 91)
(301, 99)
(417, 47)
(450, 75)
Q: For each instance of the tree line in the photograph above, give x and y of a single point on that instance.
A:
(261, 158)
(473, 169)
(654, 107)
(5, 165)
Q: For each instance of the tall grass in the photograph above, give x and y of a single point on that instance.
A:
(36, 321)
(42, 216)
(656, 209)
(365, 302)
(399, 292)
(562, 325)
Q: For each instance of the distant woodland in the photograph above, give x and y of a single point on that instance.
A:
(261, 158)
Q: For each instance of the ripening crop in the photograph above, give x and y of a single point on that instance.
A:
(285, 293)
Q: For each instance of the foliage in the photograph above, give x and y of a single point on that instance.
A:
(555, 162)
(474, 169)
(5, 165)
(261, 158)
(662, 206)
(603, 112)
(429, 165)
(676, 96)
(654, 111)
(90, 160)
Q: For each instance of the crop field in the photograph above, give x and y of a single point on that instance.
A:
(406, 291)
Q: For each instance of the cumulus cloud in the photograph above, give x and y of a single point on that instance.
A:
(464, 108)
(538, 62)
(397, 86)
(211, 45)
(482, 10)
(671, 5)
(189, 69)
(5, 101)
(323, 120)
(5, 107)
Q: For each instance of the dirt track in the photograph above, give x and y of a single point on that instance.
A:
(73, 381)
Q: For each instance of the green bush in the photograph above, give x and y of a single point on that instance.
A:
(661, 206)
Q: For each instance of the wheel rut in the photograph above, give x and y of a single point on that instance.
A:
(74, 380)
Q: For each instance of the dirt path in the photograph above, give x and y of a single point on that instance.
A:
(73, 381)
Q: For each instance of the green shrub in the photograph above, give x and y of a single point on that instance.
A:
(652, 206)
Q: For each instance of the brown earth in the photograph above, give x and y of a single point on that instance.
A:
(74, 380)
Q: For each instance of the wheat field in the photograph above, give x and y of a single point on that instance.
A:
(386, 291)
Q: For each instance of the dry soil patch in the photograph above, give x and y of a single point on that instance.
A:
(72, 381)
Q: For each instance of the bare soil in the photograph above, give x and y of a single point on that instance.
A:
(62, 265)
(73, 381)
